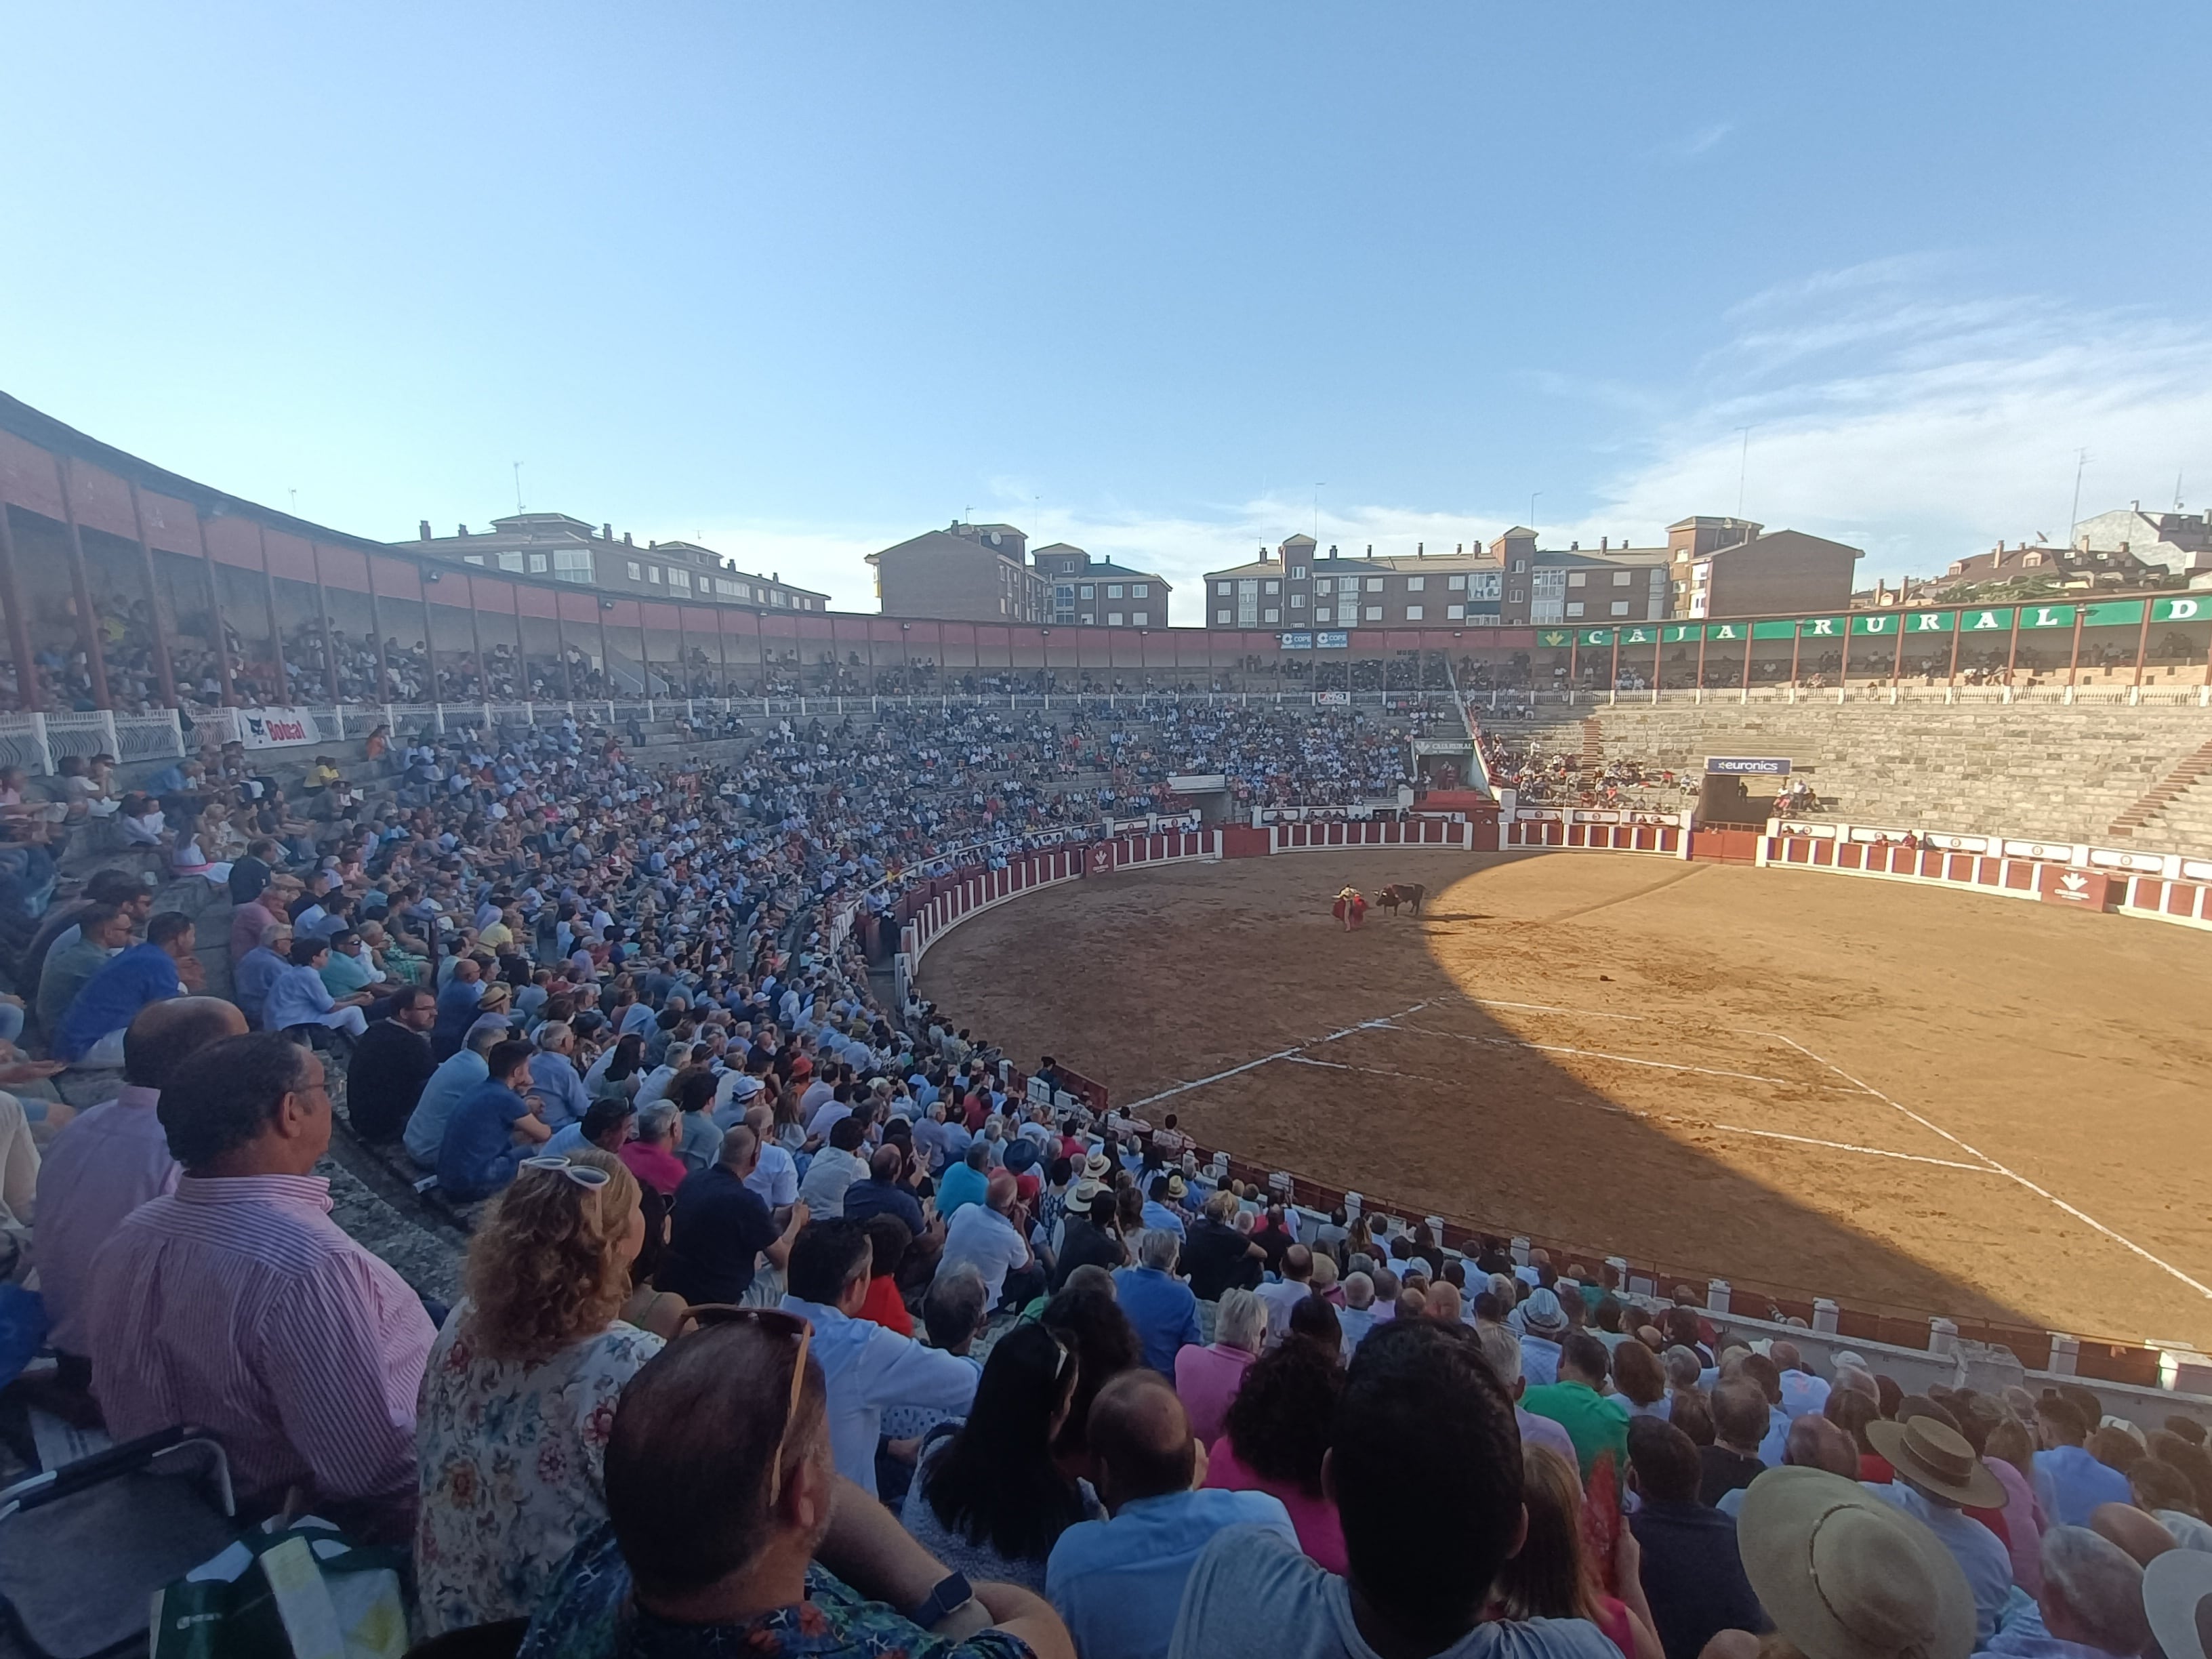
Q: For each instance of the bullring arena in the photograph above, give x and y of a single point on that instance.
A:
(1912, 1100)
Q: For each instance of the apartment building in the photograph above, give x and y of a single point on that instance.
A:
(1544, 587)
(1724, 567)
(1297, 587)
(1090, 593)
(569, 551)
(963, 573)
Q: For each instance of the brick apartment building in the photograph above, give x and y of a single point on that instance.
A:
(569, 551)
(987, 573)
(1733, 568)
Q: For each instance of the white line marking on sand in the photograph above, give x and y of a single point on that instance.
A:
(1380, 1022)
(1847, 1146)
(1624, 1060)
(2045, 1193)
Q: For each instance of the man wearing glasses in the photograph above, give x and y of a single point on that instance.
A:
(236, 1303)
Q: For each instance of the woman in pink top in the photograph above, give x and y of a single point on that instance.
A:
(1206, 1379)
(2007, 1452)
(1276, 1433)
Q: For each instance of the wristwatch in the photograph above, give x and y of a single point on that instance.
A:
(950, 1595)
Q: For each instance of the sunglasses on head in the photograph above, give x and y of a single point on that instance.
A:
(584, 1174)
(777, 1323)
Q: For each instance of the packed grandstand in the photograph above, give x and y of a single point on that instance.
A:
(773, 1279)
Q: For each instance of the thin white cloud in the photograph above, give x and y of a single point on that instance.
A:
(1921, 426)
(1705, 138)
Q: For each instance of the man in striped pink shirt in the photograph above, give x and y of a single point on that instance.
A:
(235, 1303)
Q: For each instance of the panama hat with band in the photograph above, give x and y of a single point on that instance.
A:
(1935, 1458)
(1844, 1574)
(2177, 1592)
(1097, 1166)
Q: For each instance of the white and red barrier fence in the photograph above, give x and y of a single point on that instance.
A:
(1596, 830)
(1334, 834)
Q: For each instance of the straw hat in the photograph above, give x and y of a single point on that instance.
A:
(2177, 1592)
(1935, 1458)
(1086, 1193)
(1845, 1575)
(1097, 1166)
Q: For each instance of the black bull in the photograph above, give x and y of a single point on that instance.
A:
(1408, 894)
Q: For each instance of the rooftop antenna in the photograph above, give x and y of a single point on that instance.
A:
(517, 486)
(2177, 491)
(1318, 487)
(1532, 507)
(2081, 462)
(1742, 467)
(295, 495)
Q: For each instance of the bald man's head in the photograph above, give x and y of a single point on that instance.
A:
(2142, 1536)
(165, 1033)
(1141, 1441)
(740, 1150)
(1814, 1442)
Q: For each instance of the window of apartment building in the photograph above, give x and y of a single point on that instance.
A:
(510, 561)
(1519, 596)
(1247, 602)
(1141, 590)
(1088, 590)
(1221, 617)
(1140, 618)
(636, 570)
(1454, 613)
(1113, 590)
(745, 590)
(1224, 589)
(572, 564)
(1297, 573)
(1520, 565)
(476, 559)
(776, 598)
(1622, 578)
(1297, 601)
(1620, 607)
(679, 579)
(1374, 613)
(1413, 613)
(1323, 614)
(1002, 603)
(1486, 585)
(1323, 584)
(1573, 607)
(1577, 578)
(1455, 584)
(1089, 618)
(1273, 614)
(537, 563)
(1113, 619)
(1275, 587)
(1416, 584)
(1374, 584)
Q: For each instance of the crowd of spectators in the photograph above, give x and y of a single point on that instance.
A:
(792, 1320)
(1551, 777)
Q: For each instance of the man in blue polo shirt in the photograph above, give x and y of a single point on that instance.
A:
(163, 967)
(1161, 1308)
(492, 1130)
(1118, 1583)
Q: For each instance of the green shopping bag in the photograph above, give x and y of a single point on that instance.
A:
(305, 1592)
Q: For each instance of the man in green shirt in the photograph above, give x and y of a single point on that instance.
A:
(1596, 1423)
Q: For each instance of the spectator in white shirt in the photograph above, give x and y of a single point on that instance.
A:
(985, 1238)
(836, 1167)
(776, 1176)
(867, 1367)
(1283, 1294)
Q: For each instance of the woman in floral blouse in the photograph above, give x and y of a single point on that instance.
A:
(520, 1389)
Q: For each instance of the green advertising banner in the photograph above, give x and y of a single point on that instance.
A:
(2109, 612)
(2045, 615)
(2196, 608)
(1554, 638)
(1822, 627)
(1927, 622)
(1727, 630)
(1597, 636)
(1680, 633)
(1986, 622)
(1883, 623)
(1639, 636)
(1774, 630)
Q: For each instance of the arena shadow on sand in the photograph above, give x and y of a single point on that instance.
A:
(1575, 1048)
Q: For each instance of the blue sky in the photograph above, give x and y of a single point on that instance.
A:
(803, 280)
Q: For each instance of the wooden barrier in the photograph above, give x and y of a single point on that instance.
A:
(1337, 835)
(1596, 830)
(2187, 902)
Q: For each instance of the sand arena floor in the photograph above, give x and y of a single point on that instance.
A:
(1906, 1099)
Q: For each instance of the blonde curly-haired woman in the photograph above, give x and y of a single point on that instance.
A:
(520, 1389)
